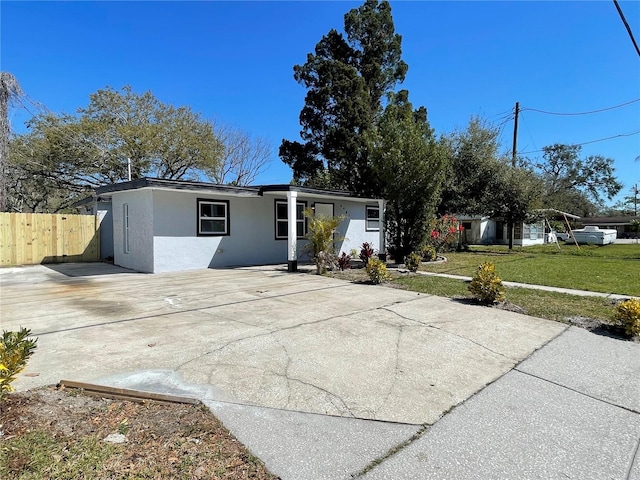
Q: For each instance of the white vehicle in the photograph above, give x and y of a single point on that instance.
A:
(591, 234)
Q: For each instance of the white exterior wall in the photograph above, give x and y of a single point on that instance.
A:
(140, 205)
(353, 228)
(163, 230)
(251, 226)
(526, 241)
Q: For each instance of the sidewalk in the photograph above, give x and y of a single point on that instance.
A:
(571, 410)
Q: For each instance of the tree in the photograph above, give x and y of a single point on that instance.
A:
(565, 174)
(347, 81)
(408, 169)
(64, 156)
(473, 168)
(629, 204)
(517, 195)
(9, 88)
(481, 182)
(244, 157)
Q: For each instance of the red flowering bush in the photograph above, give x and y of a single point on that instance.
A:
(445, 233)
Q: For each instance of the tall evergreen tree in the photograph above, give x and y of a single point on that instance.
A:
(347, 81)
(408, 167)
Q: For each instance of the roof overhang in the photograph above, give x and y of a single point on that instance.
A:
(173, 185)
(212, 188)
(558, 212)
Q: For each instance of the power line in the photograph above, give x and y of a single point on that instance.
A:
(583, 113)
(624, 20)
(636, 132)
(528, 130)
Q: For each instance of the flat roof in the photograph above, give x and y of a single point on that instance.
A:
(258, 190)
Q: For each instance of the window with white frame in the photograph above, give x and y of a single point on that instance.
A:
(125, 227)
(372, 218)
(282, 220)
(213, 217)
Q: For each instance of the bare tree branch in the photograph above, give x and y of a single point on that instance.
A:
(244, 156)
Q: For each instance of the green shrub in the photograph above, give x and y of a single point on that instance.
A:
(428, 253)
(486, 286)
(377, 270)
(413, 261)
(15, 351)
(322, 238)
(628, 316)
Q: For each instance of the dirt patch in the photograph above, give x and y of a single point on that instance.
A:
(600, 328)
(159, 440)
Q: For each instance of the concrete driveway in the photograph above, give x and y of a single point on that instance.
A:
(267, 338)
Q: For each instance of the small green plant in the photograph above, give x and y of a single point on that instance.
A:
(486, 286)
(15, 351)
(377, 271)
(428, 253)
(627, 315)
(123, 426)
(366, 252)
(413, 261)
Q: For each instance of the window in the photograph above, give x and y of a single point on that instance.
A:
(282, 220)
(372, 219)
(213, 217)
(125, 227)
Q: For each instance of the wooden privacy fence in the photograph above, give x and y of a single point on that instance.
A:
(31, 238)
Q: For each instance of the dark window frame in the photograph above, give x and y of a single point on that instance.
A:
(276, 220)
(199, 217)
(366, 218)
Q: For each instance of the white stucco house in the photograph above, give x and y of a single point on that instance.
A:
(491, 231)
(159, 225)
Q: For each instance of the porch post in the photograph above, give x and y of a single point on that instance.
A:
(292, 235)
(382, 250)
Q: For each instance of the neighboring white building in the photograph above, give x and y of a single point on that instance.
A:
(490, 231)
(168, 225)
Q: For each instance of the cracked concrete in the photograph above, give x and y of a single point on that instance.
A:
(257, 340)
(298, 342)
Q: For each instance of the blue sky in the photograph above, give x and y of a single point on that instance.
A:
(233, 61)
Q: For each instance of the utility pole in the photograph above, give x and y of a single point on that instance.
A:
(513, 163)
(515, 135)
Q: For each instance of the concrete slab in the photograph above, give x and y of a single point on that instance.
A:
(522, 427)
(315, 447)
(267, 338)
(606, 368)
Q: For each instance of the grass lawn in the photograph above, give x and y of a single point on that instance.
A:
(609, 269)
(538, 303)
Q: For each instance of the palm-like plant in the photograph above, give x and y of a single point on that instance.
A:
(322, 239)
